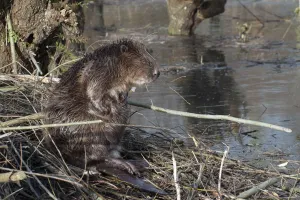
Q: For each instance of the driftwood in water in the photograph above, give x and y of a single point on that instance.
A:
(185, 15)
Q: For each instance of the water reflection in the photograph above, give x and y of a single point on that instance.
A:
(208, 88)
(94, 19)
(258, 80)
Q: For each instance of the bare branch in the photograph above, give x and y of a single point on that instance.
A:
(215, 117)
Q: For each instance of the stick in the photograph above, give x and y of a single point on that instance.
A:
(28, 169)
(219, 117)
(221, 168)
(12, 194)
(287, 30)
(251, 13)
(68, 179)
(63, 64)
(12, 44)
(63, 178)
(12, 176)
(35, 116)
(196, 183)
(177, 186)
(75, 124)
(261, 186)
(31, 55)
(29, 77)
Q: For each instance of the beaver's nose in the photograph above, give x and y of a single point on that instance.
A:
(156, 74)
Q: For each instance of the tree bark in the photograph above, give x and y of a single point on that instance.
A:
(37, 26)
(185, 15)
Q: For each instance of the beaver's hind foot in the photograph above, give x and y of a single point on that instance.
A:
(122, 165)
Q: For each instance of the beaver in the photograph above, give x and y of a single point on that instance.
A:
(96, 87)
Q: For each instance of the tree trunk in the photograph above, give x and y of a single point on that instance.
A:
(185, 15)
(37, 28)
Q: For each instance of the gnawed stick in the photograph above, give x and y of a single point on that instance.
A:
(172, 112)
(13, 176)
(215, 117)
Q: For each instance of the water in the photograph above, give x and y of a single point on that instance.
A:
(258, 80)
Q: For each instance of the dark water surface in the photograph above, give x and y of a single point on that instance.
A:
(258, 80)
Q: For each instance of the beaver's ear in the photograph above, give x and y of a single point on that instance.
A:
(123, 48)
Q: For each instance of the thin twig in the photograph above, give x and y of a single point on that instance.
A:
(273, 14)
(29, 77)
(67, 179)
(178, 78)
(35, 116)
(66, 63)
(18, 64)
(177, 186)
(259, 187)
(12, 44)
(221, 169)
(296, 181)
(31, 55)
(76, 124)
(251, 13)
(59, 152)
(215, 117)
(287, 30)
(6, 42)
(196, 183)
(7, 197)
(180, 95)
(5, 135)
(28, 169)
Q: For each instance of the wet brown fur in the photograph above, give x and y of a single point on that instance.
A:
(96, 88)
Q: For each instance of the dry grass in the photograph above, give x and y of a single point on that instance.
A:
(47, 177)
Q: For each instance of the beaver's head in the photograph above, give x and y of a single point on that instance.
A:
(138, 66)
